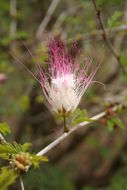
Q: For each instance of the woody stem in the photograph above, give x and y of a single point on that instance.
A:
(65, 126)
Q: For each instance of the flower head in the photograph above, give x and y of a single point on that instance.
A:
(3, 78)
(65, 82)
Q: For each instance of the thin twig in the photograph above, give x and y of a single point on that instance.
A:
(47, 18)
(2, 138)
(13, 24)
(97, 33)
(105, 37)
(74, 128)
(22, 185)
(64, 14)
(13, 11)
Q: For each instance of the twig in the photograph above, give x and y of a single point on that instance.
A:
(47, 18)
(97, 33)
(64, 14)
(22, 185)
(74, 128)
(105, 37)
(2, 138)
(13, 5)
(13, 25)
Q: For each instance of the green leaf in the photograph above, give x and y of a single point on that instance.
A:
(26, 147)
(113, 20)
(35, 160)
(110, 125)
(17, 152)
(39, 99)
(79, 116)
(119, 108)
(118, 122)
(4, 128)
(21, 148)
(115, 121)
(5, 41)
(24, 103)
(21, 35)
(124, 76)
(123, 59)
(5, 156)
(89, 188)
(4, 6)
(7, 177)
(7, 149)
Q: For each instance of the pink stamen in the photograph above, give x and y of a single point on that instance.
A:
(62, 64)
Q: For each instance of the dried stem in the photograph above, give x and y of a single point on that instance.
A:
(105, 37)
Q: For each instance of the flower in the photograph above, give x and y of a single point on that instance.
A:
(64, 82)
(3, 78)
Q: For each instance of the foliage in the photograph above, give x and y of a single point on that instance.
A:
(124, 76)
(113, 20)
(19, 156)
(35, 160)
(7, 177)
(123, 59)
(89, 188)
(115, 122)
(15, 148)
(79, 116)
(19, 159)
(24, 103)
(4, 129)
(119, 180)
(47, 177)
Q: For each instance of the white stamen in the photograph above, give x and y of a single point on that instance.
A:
(63, 93)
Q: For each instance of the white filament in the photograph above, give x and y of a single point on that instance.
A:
(63, 93)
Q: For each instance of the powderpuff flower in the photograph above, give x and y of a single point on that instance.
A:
(3, 78)
(64, 81)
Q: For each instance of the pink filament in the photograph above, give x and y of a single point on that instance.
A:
(61, 63)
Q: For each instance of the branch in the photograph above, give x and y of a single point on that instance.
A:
(97, 33)
(47, 18)
(22, 185)
(2, 138)
(64, 14)
(74, 128)
(105, 37)
(13, 25)
(13, 11)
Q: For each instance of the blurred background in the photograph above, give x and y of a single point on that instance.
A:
(94, 157)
